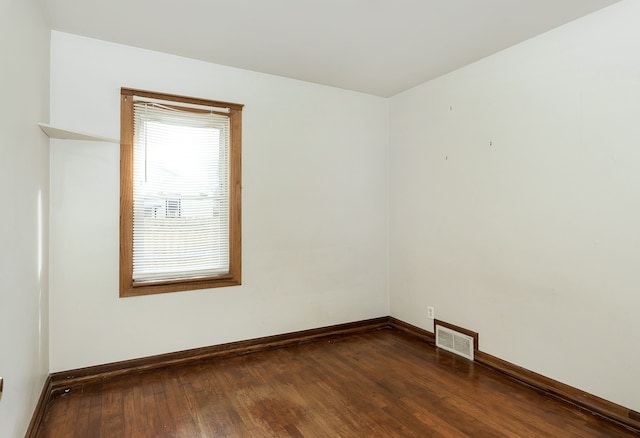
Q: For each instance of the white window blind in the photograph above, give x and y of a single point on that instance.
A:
(180, 192)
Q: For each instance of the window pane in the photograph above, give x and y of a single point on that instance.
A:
(181, 209)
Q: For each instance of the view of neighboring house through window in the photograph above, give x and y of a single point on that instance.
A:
(180, 193)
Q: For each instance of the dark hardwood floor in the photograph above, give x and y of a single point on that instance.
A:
(378, 384)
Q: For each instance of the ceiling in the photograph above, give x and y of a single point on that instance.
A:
(379, 47)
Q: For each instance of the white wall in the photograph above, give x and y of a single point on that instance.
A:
(24, 190)
(515, 203)
(314, 208)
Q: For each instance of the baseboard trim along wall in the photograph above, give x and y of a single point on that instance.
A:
(41, 408)
(584, 400)
(574, 396)
(66, 381)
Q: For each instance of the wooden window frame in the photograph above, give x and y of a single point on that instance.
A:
(233, 278)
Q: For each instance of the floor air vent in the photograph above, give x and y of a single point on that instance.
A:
(454, 341)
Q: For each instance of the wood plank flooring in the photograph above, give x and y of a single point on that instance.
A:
(378, 384)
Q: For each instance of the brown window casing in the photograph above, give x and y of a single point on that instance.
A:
(233, 277)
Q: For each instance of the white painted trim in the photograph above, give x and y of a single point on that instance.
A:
(67, 134)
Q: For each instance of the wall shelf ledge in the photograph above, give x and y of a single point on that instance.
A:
(67, 134)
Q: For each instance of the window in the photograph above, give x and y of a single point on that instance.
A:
(180, 199)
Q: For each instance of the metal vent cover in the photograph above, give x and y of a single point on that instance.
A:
(455, 342)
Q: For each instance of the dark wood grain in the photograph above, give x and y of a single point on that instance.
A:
(552, 388)
(559, 390)
(411, 329)
(63, 381)
(383, 383)
(40, 409)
